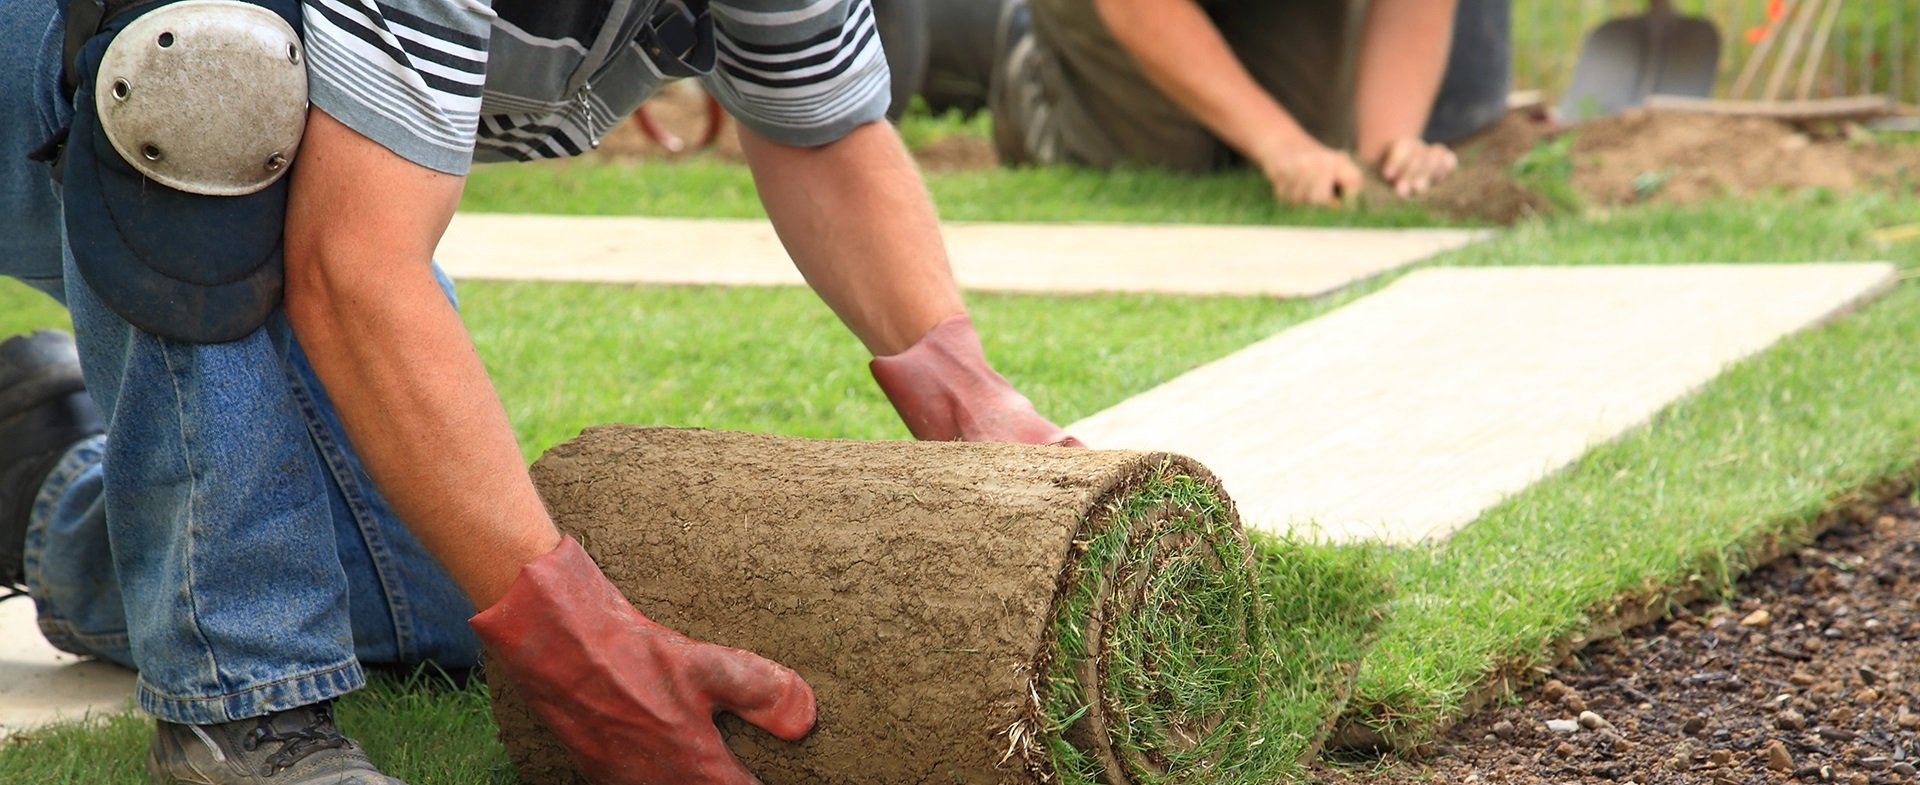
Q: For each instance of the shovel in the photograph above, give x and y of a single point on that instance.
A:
(1625, 60)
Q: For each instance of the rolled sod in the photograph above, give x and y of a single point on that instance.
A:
(965, 613)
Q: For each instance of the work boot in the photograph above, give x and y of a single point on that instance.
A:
(1026, 125)
(293, 747)
(44, 411)
(944, 390)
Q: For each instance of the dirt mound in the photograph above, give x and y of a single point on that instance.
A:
(1809, 676)
(1525, 165)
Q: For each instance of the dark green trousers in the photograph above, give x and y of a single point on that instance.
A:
(1068, 93)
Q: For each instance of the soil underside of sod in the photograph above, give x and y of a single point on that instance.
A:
(1519, 167)
(1806, 673)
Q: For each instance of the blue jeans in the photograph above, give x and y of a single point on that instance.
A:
(221, 538)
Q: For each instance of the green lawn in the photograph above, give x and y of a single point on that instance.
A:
(714, 188)
(1676, 505)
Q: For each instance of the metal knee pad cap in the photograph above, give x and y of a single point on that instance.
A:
(186, 117)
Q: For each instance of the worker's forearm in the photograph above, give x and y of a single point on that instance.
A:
(857, 221)
(398, 365)
(1403, 56)
(1182, 53)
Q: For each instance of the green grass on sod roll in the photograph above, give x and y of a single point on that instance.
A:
(1187, 663)
(1681, 504)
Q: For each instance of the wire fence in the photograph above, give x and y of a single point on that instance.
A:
(1871, 45)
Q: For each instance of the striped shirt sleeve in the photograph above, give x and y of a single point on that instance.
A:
(407, 74)
(802, 72)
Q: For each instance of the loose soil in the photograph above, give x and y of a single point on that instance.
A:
(1632, 158)
(918, 587)
(1810, 674)
(1662, 157)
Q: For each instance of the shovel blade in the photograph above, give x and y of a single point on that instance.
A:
(1625, 60)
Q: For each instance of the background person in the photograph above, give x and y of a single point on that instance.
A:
(1308, 91)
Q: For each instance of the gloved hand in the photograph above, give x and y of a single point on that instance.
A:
(944, 390)
(632, 700)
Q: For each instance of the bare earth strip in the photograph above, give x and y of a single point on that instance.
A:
(1403, 415)
(40, 684)
(1031, 258)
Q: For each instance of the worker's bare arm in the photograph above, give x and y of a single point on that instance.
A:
(861, 228)
(1183, 53)
(1403, 55)
(362, 224)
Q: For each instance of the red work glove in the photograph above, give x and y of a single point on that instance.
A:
(944, 389)
(632, 700)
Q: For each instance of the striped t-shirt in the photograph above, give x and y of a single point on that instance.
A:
(447, 82)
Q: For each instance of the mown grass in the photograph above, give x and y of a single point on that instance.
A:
(1675, 504)
(713, 188)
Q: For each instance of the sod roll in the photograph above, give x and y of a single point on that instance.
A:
(965, 613)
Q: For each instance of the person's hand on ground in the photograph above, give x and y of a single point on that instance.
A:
(1412, 166)
(1309, 173)
(633, 701)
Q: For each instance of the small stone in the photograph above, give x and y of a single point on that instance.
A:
(1840, 715)
(1837, 734)
(1563, 726)
(1778, 758)
(1868, 695)
(1802, 679)
(1592, 721)
(1555, 689)
(1790, 720)
(1905, 769)
(1693, 725)
(1503, 729)
(1720, 757)
(1907, 719)
(1807, 773)
(1875, 763)
(1869, 676)
(1490, 739)
(1565, 750)
(1759, 618)
(1859, 779)
(1575, 703)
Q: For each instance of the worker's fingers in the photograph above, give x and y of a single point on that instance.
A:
(759, 691)
(1399, 155)
(1443, 162)
(1326, 186)
(1429, 165)
(1347, 177)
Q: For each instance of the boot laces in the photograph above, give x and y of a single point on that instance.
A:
(297, 745)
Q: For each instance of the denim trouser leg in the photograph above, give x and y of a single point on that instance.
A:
(222, 539)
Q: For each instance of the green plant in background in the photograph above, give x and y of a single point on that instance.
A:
(1547, 169)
